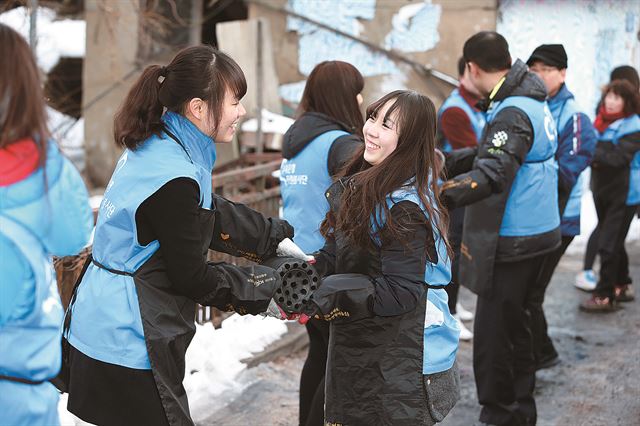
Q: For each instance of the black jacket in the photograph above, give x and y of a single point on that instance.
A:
(311, 125)
(375, 298)
(482, 179)
(610, 170)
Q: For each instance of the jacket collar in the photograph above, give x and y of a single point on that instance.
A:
(519, 81)
(200, 147)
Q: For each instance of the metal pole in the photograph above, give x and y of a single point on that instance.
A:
(33, 34)
(195, 28)
(259, 88)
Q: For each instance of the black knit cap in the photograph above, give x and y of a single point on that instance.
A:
(553, 55)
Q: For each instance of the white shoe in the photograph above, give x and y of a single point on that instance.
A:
(465, 334)
(463, 314)
(586, 280)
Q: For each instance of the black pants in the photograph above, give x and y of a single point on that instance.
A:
(503, 360)
(456, 223)
(613, 221)
(543, 348)
(592, 251)
(109, 394)
(313, 372)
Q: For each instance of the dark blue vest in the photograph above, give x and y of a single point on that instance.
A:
(563, 112)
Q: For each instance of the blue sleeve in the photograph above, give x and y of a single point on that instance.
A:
(71, 215)
(17, 292)
(576, 143)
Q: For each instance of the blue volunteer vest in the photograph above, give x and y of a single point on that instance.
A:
(31, 346)
(613, 134)
(532, 207)
(440, 337)
(303, 181)
(477, 118)
(563, 114)
(106, 323)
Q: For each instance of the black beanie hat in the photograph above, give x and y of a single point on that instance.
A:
(553, 55)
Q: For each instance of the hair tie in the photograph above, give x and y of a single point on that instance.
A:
(163, 74)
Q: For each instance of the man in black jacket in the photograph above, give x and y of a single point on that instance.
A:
(510, 185)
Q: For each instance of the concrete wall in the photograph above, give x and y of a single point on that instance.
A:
(438, 39)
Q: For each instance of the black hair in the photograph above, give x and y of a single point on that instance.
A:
(195, 72)
(462, 64)
(489, 50)
(626, 72)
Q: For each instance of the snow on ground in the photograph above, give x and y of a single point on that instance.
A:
(69, 134)
(213, 363)
(56, 38)
(214, 359)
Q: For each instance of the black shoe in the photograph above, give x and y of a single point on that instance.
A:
(548, 362)
(598, 304)
(624, 293)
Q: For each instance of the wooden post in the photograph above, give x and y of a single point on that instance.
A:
(259, 86)
(33, 32)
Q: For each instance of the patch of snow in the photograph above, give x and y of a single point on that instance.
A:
(69, 134)
(214, 357)
(271, 123)
(55, 38)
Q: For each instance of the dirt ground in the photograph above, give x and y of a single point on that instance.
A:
(597, 383)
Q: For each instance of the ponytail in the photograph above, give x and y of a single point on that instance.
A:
(195, 72)
(139, 116)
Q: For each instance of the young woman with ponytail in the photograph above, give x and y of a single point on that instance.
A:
(44, 211)
(385, 264)
(131, 318)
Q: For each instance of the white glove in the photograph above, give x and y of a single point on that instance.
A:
(290, 249)
(274, 310)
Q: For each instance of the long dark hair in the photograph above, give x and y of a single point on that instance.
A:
(22, 108)
(627, 92)
(331, 89)
(195, 72)
(414, 160)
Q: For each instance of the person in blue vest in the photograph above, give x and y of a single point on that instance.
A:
(326, 134)
(615, 183)
(460, 125)
(587, 280)
(576, 142)
(44, 211)
(460, 122)
(393, 343)
(510, 187)
(131, 317)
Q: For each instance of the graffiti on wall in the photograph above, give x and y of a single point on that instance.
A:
(414, 29)
(598, 36)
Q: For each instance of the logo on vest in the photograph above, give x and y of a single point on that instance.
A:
(499, 138)
(288, 176)
(549, 124)
(107, 207)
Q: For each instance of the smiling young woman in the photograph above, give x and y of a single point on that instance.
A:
(385, 265)
(134, 308)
